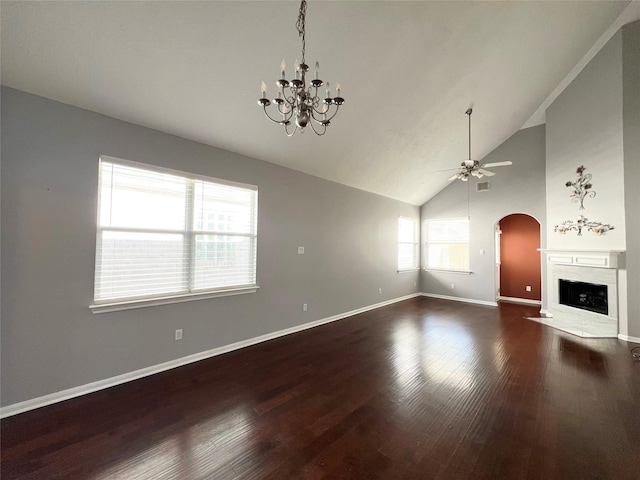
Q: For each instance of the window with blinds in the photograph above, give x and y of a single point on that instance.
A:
(163, 233)
(408, 244)
(447, 244)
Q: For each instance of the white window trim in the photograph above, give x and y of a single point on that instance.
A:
(153, 302)
(141, 302)
(180, 173)
(416, 243)
(448, 270)
(460, 271)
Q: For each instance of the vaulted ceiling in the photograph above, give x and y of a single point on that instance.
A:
(408, 71)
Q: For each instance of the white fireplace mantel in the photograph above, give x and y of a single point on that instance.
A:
(583, 258)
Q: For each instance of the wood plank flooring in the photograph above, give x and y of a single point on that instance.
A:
(422, 389)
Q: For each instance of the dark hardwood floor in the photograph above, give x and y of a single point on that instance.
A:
(422, 389)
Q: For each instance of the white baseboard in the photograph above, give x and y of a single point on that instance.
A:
(525, 301)
(629, 338)
(56, 397)
(460, 299)
(546, 313)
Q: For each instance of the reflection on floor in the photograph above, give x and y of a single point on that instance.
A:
(422, 389)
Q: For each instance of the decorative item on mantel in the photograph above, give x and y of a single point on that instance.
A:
(583, 223)
(581, 187)
(302, 104)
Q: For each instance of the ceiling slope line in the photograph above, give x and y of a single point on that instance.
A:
(629, 14)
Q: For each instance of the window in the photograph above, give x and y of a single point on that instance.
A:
(166, 234)
(408, 244)
(447, 244)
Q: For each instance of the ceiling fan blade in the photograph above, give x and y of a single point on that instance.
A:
(453, 178)
(497, 164)
(486, 173)
(447, 170)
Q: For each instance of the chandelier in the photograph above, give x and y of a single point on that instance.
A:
(297, 103)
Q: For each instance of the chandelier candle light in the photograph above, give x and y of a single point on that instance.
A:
(302, 106)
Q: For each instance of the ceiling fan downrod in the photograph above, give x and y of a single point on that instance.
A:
(468, 113)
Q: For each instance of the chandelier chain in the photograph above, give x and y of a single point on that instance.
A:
(300, 25)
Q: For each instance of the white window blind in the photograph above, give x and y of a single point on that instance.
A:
(163, 233)
(408, 244)
(447, 244)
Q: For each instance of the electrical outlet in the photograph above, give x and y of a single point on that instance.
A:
(453, 286)
(528, 288)
(379, 290)
(415, 284)
(304, 307)
(179, 334)
(300, 250)
(482, 251)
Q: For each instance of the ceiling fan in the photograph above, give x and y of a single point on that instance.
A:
(472, 167)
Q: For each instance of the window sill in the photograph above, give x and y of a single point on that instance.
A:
(152, 302)
(446, 270)
(408, 270)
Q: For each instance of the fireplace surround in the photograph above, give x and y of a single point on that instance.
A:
(583, 292)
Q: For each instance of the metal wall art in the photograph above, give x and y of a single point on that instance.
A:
(583, 223)
(580, 189)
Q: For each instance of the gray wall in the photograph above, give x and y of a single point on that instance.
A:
(631, 135)
(518, 188)
(595, 123)
(584, 127)
(50, 339)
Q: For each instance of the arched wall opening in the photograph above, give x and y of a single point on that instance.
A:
(518, 267)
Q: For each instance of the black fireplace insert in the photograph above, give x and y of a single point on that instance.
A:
(587, 296)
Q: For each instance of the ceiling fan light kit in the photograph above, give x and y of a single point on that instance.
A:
(472, 167)
(302, 107)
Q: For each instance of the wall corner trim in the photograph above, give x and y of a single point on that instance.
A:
(460, 299)
(56, 397)
(629, 338)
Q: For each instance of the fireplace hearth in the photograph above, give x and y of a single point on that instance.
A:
(583, 295)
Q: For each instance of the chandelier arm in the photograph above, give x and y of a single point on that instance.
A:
(290, 100)
(270, 118)
(287, 113)
(324, 130)
(319, 122)
(315, 109)
(286, 130)
(329, 118)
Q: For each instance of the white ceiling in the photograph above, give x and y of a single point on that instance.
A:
(408, 71)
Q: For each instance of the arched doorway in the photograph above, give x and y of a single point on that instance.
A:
(518, 273)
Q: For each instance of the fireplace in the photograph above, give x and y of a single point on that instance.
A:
(583, 292)
(587, 296)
